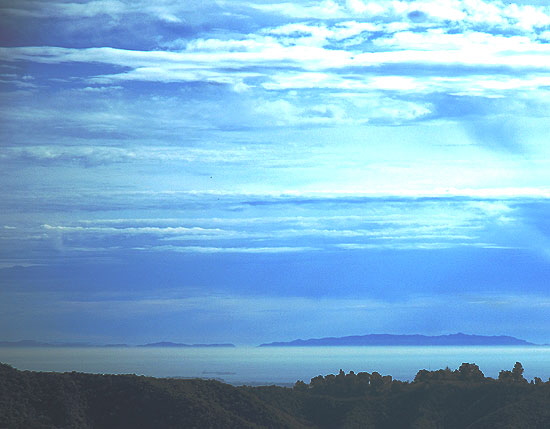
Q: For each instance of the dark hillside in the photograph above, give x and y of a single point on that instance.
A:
(75, 400)
(463, 398)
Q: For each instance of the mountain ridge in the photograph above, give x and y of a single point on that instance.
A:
(32, 343)
(458, 339)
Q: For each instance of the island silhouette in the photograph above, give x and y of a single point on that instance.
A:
(458, 339)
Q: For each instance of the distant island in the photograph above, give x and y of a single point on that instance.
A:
(459, 339)
(32, 343)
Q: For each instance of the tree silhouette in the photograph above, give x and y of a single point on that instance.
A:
(470, 372)
(517, 373)
(514, 376)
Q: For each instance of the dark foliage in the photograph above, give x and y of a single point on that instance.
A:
(75, 400)
(463, 398)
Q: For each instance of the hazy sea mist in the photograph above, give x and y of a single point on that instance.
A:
(275, 365)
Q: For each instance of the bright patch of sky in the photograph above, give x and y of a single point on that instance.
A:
(203, 171)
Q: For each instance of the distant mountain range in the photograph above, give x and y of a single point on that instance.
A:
(31, 343)
(355, 340)
(406, 340)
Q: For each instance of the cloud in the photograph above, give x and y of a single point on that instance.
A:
(311, 50)
(325, 9)
(104, 155)
(267, 317)
(63, 9)
(368, 151)
(493, 14)
(253, 306)
(401, 61)
(137, 230)
(4, 265)
(165, 10)
(369, 224)
(490, 50)
(249, 250)
(420, 245)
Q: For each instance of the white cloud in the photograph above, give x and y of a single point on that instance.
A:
(311, 35)
(467, 49)
(167, 74)
(510, 300)
(7, 264)
(310, 64)
(419, 245)
(206, 249)
(139, 230)
(325, 9)
(528, 17)
(367, 8)
(436, 225)
(282, 112)
(95, 155)
(466, 13)
(302, 80)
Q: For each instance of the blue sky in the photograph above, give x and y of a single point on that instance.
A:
(227, 171)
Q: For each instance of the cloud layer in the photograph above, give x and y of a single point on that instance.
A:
(216, 156)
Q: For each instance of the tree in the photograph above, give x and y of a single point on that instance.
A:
(422, 375)
(470, 372)
(505, 376)
(517, 373)
(376, 380)
(300, 386)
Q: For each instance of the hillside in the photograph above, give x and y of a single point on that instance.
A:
(75, 400)
(442, 399)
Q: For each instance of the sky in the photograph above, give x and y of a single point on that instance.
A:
(254, 171)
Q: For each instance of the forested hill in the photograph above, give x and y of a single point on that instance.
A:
(443, 399)
(77, 400)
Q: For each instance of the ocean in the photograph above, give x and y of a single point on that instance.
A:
(274, 365)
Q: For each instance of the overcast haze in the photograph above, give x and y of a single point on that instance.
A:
(254, 171)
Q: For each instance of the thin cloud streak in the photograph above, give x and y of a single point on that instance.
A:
(204, 249)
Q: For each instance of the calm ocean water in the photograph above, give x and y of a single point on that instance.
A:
(276, 365)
